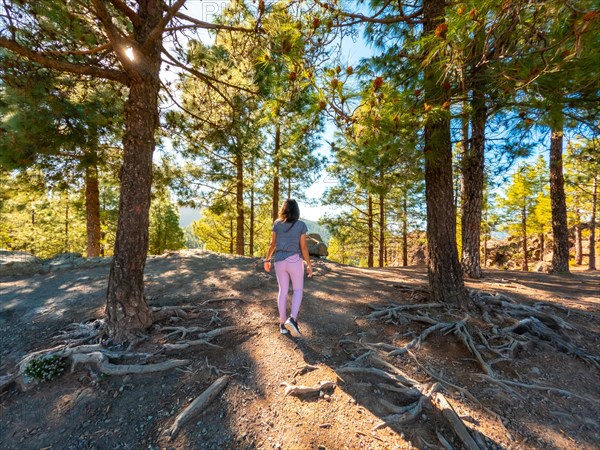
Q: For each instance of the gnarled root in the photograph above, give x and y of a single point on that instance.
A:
(198, 405)
(300, 391)
(203, 339)
(101, 361)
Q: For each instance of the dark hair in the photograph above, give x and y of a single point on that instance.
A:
(289, 212)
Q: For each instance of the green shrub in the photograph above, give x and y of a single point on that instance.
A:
(47, 368)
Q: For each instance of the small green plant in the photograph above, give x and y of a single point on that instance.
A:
(46, 369)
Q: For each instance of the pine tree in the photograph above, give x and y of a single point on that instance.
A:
(110, 40)
(60, 125)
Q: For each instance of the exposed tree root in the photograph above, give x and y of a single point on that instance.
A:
(300, 391)
(76, 348)
(203, 339)
(402, 415)
(536, 328)
(223, 299)
(390, 312)
(422, 392)
(197, 406)
(82, 333)
(304, 369)
(99, 357)
(459, 389)
(160, 313)
(374, 372)
(454, 421)
(183, 330)
(100, 360)
(6, 381)
(416, 342)
(538, 387)
(506, 326)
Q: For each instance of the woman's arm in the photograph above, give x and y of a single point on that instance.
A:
(304, 249)
(270, 252)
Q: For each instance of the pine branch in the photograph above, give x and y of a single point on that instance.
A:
(211, 26)
(108, 74)
(160, 26)
(130, 13)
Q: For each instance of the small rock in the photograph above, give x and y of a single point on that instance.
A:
(536, 371)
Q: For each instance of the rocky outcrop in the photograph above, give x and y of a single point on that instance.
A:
(316, 246)
(23, 263)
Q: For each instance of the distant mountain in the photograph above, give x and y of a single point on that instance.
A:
(314, 227)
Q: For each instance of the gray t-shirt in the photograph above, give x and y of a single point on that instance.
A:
(288, 239)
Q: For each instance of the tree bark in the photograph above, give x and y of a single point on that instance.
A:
(578, 243)
(592, 258)
(92, 210)
(251, 243)
(67, 222)
(560, 230)
(444, 270)
(525, 264)
(231, 236)
(239, 204)
(405, 230)
(126, 308)
(277, 145)
(542, 245)
(472, 187)
(370, 236)
(381, 226)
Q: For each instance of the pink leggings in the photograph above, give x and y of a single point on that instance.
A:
(291, 267)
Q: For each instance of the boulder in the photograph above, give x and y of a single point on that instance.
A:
(543, 266)
(316, 246)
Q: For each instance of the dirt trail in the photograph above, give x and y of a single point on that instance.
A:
(88, 410)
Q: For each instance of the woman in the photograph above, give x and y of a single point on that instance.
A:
(288, 241)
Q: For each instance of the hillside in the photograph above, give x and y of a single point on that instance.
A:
(538, 395)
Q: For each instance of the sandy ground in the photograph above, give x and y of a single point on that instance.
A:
(85, 410)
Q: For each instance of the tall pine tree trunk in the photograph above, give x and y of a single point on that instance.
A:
(381, 224)
(67, 223)
(405, 230)
(525, 264)
(276, 155)
(578, 245)
(239, 204)
(592, 259)
(542, 245)
(370, 231)
(472, 187)
(560, 231)
(444, 270)
(231, 236)
(126, 308)
(251, 243)
(92, 210)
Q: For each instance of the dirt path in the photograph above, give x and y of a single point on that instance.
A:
(87, 410)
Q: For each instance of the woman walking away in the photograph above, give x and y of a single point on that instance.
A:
(288, 241)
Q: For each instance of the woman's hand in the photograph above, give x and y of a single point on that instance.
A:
(267, 266)
(309, 271)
